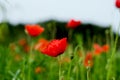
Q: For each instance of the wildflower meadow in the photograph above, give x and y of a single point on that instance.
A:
(54, 50)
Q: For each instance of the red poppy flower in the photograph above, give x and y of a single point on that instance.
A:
(73, 24)
(55, 47)
(97, 49)
(34, 30)
(88, 59)
(117, 3)
(41, 44)
(105, 48)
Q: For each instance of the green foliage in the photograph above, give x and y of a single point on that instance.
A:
(4, 32)
(18, 64)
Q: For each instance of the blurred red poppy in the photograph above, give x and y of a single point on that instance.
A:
(41, 44)
(73, 24)
(38, 70)
(117, 3)
(22, 42)
(88, 60)
(34, 30)
(55, 47)
(105, 48)
(26, 48)
(17, 57)
(97, 49)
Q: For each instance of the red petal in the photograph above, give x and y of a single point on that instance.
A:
(117, 3)
(73, 24)
(55, 47)
(34, 30)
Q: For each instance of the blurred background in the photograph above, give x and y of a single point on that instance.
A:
(102, 13)
(93, 47)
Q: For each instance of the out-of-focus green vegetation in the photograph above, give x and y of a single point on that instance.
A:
(17, 62)
(10, 32)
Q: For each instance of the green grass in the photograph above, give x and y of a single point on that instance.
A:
(16, 64)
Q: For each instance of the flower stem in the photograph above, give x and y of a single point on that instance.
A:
(69, 70)
(112, 57)
(29, 60)
(113, 53)
(54, 30)
(29, 69)
(77, 73)
(23, 69)
(59, 58)
(88, 73)
(70, 32)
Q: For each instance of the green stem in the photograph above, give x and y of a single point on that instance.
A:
(70, 32)
(88, 73)
(77, 73)
(53, 30)
(69, 70)
(112, 57)
(113, 54)
(23, 68)
(82, 72)
(29, 61)
(112, 36)
(59, 58)
(70, 66)
(107, 36)
(29, 68)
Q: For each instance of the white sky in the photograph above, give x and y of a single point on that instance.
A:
(101, 12)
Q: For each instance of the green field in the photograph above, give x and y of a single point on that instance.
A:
(19, 60)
